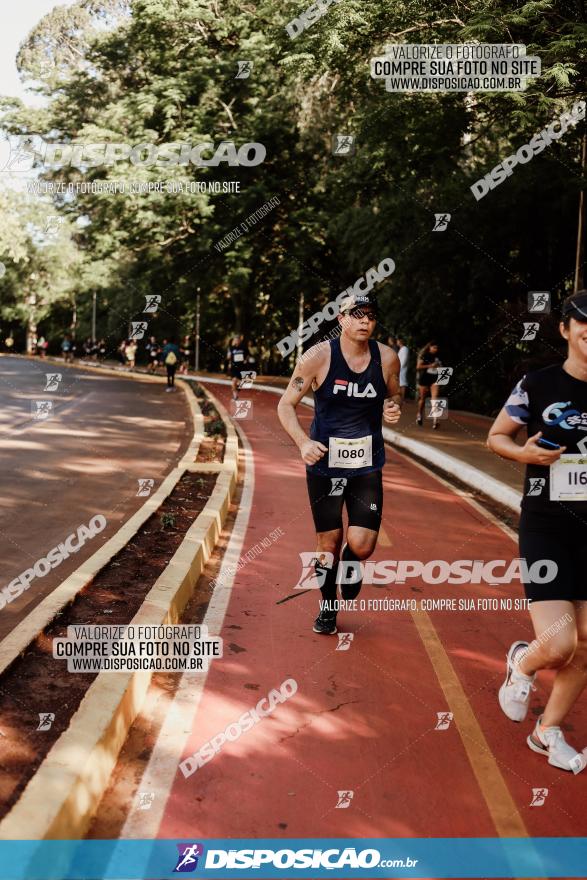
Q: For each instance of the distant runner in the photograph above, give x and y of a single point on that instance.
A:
(170, 355)
(355, 383)
(153, 351)
(236, 356)
(552, 404)
(427, 370)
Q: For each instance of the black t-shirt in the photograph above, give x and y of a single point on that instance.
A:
(237, 355)
(424, 377)
(554, 402)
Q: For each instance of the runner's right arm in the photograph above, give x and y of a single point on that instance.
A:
(502, 440)
(300, 383)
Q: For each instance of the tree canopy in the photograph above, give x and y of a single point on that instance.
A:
(156, 72)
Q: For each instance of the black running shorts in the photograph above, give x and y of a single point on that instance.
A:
(562, 539)
(362, 495)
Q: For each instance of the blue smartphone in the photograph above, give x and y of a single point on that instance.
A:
(547, 444)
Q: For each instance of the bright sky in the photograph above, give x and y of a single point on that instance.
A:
(16, 24)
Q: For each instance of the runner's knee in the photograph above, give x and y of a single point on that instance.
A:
(362, 547)
(558, 652)
(330, 542)
(580, 655)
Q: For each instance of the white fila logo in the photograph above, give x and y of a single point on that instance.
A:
(352, 389)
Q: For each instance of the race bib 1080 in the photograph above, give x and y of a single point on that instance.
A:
(347, 452)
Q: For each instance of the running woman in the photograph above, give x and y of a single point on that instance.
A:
(355, 384)
(552, 404)
(236, 357)
(427, 370)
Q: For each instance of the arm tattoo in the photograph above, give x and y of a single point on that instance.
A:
(298, 383)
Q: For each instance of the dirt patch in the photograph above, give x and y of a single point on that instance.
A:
(213, 446)
(36, 683)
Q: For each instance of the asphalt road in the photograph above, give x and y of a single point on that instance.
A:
(103, 434)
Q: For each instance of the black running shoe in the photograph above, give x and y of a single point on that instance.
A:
(325, 623)
(419, 421)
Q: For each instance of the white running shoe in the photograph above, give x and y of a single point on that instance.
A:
(514, 694)
(551, 743)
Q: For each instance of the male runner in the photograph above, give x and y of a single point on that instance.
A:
(236, 356)
(355, 383)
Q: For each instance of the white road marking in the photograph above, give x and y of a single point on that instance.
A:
(162, 768)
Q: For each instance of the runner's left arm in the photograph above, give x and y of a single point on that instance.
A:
(391, 366)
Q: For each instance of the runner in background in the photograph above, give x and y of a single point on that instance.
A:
(355, 383)
(66, 348)
(427, 371)
(236, 357)
(170, 355)
(131, 353)
(153, 350)
(186, 354)
(403, 353)
(552, 404)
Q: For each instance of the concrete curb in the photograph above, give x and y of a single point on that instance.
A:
(60, 799)
(454, 467)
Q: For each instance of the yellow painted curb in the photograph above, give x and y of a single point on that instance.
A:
(60, 799)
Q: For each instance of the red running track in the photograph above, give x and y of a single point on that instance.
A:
(364, 719)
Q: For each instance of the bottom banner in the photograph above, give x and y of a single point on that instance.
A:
(270, 858)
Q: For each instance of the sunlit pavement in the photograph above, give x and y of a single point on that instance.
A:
(102, 435)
